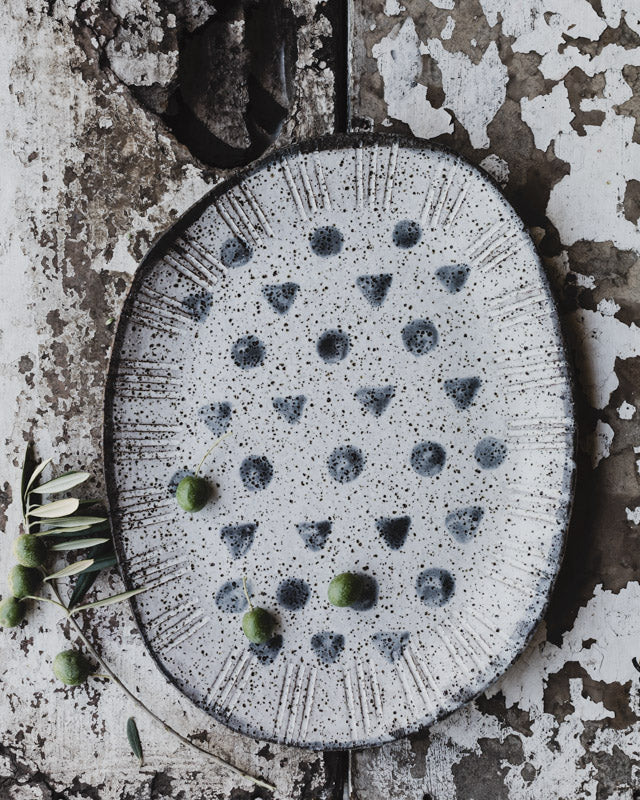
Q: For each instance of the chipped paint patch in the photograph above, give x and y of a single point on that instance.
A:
(626, 411)
(399, 64)
(602, 339)
(602, 439)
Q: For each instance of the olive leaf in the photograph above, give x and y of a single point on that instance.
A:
(62, 484)
(86, 580)
(109, 601)
(76, 544)
(101, 563)
(35, 474)
(73, 522)
(71, 569)
(134, 740)
(59, 508)
(68, 531)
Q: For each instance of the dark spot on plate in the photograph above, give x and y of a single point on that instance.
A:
(375, 399)
(369, 593)
(374, 288)
(256, 473)
(230, 597)
(453, 278)
(280, 296)
(235, 253)
(216, 416)
(314, 534)
(391, 644)
(490, 452)
(248, 352)
(333, 346)
(198, 305)
(428, 458)
(327, 646)
(464, 522)
(406, 233)
(419, 336)
(293, 594)
(326, 241)
(238, 538)
(462, 391)
(394, 530)
(290, 408)
(435, 586)
(345, 463)
(268, 652)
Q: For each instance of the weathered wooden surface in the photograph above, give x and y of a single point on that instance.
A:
(546, 96)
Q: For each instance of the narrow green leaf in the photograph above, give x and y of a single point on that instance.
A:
(134, 740)
(76, 544)
(63, 483)
(25, 472)
(59, 508)
(65, 531)
(109, 601)
(74, 521)
(72, 569)
(36, 473)
(85, 580)
(102, 563)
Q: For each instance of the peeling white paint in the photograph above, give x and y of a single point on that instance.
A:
(548, 115)
(601, 442)
(626, 410)
(608, 307)
(597, 181)
(600, 340)
(392, 8)
(447, 32)
(400, 65)
(474, 92)
(497, 168)
(633, 515)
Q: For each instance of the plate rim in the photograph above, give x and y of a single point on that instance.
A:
(318, 144)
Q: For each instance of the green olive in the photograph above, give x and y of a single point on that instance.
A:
(192, 493)
(29, 550)
(12, 612)
(258, 625)
(345, 589)
(71, 667)
(23, 581)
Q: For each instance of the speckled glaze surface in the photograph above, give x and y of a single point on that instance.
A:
(369, 320)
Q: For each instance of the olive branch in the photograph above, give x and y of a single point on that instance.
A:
(62, 526)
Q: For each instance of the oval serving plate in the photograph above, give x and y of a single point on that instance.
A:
(369, 319)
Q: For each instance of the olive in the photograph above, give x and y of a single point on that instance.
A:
(71, 667)
(23, 581)
(12, 612)
(258, 625)
(29, 550)
(192, 493)
(345, 589)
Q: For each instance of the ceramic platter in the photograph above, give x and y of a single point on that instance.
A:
(370, 321)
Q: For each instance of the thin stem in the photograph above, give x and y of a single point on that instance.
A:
(46, 600)
(214, 445)
(136, 700)
(246, 593)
